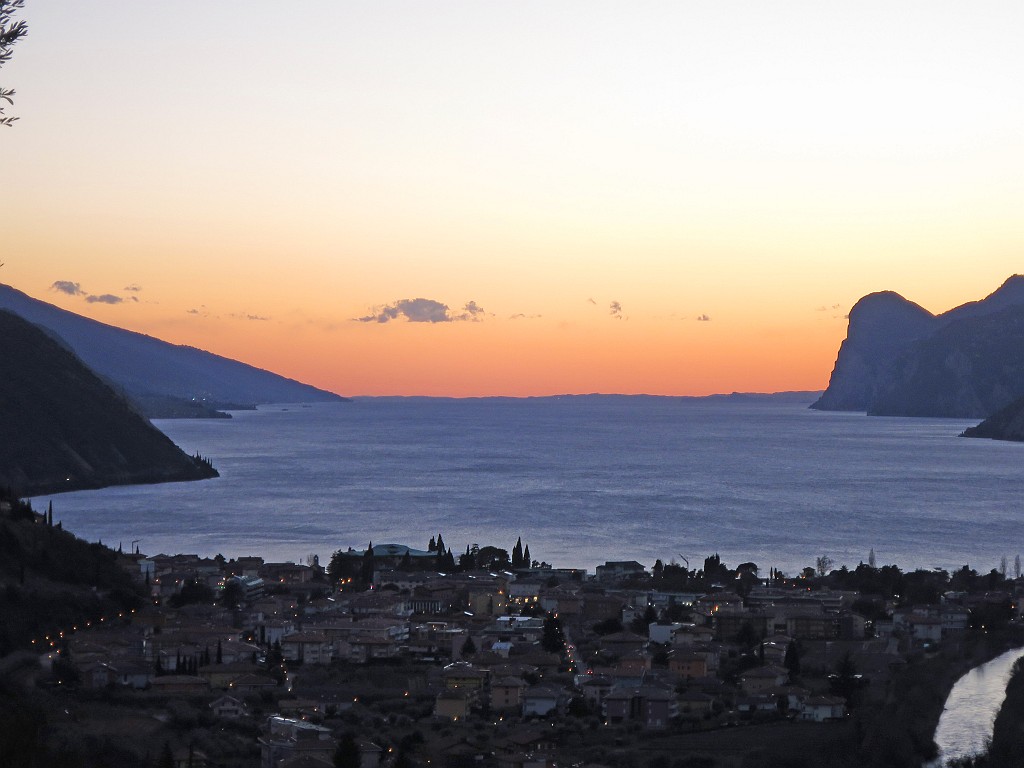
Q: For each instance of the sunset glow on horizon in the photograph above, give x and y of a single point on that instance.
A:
(468, 199)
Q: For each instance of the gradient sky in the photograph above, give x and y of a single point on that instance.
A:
(662, 197)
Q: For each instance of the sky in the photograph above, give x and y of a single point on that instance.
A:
(472, 198)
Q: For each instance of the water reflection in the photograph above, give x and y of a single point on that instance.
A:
(971, 708)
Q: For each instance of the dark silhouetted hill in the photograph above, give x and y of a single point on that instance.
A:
(882, 326)
(1005, 424)
(899, 360)
(65, 429)
(154, 372)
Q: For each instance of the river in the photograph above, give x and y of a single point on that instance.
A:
(971, 708)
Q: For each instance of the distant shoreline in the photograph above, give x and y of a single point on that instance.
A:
(795, 396)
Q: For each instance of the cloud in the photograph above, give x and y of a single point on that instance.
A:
(523, 316)
(704, 318)
(421, 311)
(256, 317)
(193, 311)
(68, 287)
(615, 310)
(591, 301)
(133, 288)
(103, 298)
(473, 309)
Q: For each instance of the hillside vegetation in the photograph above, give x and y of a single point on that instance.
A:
(65, 429)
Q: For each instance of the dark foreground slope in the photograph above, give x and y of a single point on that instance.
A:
(148, 369)
(62, 428)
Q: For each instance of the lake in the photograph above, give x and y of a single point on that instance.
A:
(581, 479)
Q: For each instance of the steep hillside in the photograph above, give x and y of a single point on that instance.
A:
(882, 326)
(899, 360)
(65, 429)
(1005, 424)
(145, 367)
(969, 369)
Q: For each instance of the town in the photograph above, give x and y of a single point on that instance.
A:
(396, 656)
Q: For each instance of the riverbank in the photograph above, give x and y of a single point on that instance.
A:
(902, 731)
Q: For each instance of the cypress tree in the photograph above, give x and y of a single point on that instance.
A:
(517, 553)
(432, 546)
(527, 562)
(440, 544)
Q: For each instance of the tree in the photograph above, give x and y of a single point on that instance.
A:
(792, 660)
(845, 682)
(232, 594)
(468, 647)
(517, 553)
(823, 565)
(347, 753)
(553, 641)
(659, 570)
(366, 568)
(10, 32)
(871, 558)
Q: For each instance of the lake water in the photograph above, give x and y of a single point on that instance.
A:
(582, 480)
(971, 708)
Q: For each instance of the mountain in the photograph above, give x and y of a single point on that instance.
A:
(882, 326)
(900, 360)
(148, 369)
(65, 429)
(969, 368)
(1005, 424)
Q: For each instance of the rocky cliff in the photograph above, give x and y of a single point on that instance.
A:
(899, 360)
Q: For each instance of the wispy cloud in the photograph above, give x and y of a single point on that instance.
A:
(523, 316)
(615, 310)
(422, 310)
(71, 288)
(68, 287)
(133, 288)
(704, 318)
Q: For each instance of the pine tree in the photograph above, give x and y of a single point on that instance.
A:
(432, 546)
(366, 569)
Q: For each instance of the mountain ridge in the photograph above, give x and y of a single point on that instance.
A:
(900, 360)
(65, 429)
(144, 366)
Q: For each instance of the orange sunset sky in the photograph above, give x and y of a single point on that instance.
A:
(584, 196)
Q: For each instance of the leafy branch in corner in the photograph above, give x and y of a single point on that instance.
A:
(10, 32)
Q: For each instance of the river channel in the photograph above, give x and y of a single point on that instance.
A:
(971, 708)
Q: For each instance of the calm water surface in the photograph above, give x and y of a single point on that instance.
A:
(971, 708)
(582, 480)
